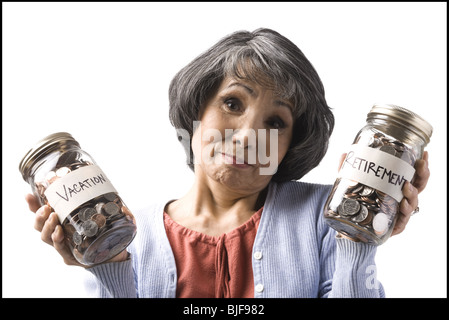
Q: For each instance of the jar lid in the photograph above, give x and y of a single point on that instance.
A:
(42, 148)
(404, 116)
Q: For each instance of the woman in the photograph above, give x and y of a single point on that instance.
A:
(252, 117)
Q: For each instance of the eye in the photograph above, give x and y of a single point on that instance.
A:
(232, 104)
(276, 123)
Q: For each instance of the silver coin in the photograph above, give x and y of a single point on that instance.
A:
(86, 213)
(357, 188)
(67, 158)
(374, 142)
(111, 196)
(362, 214)
(350, 207)
(367, 191)
(77, 238)
(380, 223)
(388, 149)
(90, 228)
(111, 209)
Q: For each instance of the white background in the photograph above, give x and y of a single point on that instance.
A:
(101, 71)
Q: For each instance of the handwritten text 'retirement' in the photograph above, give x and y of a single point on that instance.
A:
(370, 167)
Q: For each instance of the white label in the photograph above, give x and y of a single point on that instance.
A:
(77, 187)
(377, 169)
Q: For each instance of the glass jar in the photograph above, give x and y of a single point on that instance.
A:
(364, 201)
(97, 225)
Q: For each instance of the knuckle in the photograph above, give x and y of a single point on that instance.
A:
(45, 238)
(399, 227)
(67, 261)
(37, 225)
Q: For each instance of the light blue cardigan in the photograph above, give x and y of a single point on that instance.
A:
(297, 256)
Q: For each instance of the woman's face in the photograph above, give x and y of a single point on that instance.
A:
(244, 133)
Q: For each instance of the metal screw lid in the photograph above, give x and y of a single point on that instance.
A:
(42, 148)
(404, 116)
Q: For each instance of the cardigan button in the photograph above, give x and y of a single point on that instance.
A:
(258, 255)
(259, 287)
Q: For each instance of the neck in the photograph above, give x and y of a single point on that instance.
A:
(216, 199)
(213, 208)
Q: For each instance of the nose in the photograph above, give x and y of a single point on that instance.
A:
(245, 133)
(244, 138)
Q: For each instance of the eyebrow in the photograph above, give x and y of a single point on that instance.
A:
(253, 93)
(284, 104)
(249, 89)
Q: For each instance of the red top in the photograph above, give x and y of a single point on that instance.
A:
(210, 266)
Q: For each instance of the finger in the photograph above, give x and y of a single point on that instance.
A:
(33, 202)
(422, 173)
(48, 228)
(42, 215)
(400, 224)
(410, 200)
(407, 206)
(59, 244)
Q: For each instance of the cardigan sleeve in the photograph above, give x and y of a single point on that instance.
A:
(348, 269)
(111, 280)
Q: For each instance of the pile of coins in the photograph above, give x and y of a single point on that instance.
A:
(89, 229)
(367, 207)
(100, 228)
(368, 211)
(392, 146)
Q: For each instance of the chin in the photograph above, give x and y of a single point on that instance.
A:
(234, 179)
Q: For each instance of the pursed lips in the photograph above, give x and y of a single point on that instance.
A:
(234, 160)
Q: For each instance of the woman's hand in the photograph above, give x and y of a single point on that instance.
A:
(409, 203)
(52, 233)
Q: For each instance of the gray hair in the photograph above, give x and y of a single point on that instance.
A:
(272, 61)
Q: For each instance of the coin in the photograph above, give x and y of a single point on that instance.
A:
(111, 196)
(90, 228)
(69, 229)
(374, 142)
(111, 209)
(388, 149)
(99, 219)
(367, 191)
(67, 158)
(86, 213)
(388, 205)
(380, 223)
(350, 207)
(358, 188)
(361, 215)
(368, 219)
(61, 172)
(77, 238)
(368, 200)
